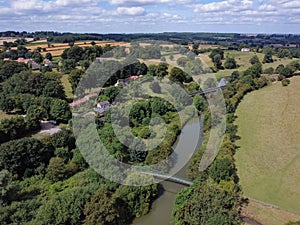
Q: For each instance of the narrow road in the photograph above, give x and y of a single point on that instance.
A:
(47, 127)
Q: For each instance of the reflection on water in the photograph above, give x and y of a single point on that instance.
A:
(160, 213)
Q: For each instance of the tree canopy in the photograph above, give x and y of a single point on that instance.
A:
(24, 156)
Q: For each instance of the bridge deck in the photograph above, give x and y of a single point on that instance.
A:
(172, 179)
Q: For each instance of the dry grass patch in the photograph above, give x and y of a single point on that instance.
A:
(4, 115)
(267, 215)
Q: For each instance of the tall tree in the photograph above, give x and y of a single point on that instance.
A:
(230, 63)
(268, 56)
(138, 198)
(104, 208)
(23, 156)
(254, 60)
(74, 78)
(60, 110)
(54, 89)
(162, 70)
(217, 51)
(66, 207)
(9, 68)
(217, 60)
(48, 56)
(57, 170)
(206, 203)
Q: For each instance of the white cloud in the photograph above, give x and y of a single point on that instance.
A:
(146, 2)
(167, 14)
(131, 11)
(267, 7)
(25, 5)
(230, 5)
(291, 4)
(75, 2)
(5, 11)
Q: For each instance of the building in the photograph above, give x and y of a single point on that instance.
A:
(22, 60)
(34, 65)
(126, 81)
(48, 63)
(245, 50)
(121, 82)
(222, 83)
(103, 107)
(83, 100)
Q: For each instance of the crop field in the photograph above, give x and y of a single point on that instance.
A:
(56, 49)
(11, 39)
(268, 159)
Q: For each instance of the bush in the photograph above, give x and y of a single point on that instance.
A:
(221, 169)
(285, 82)
(57, 170)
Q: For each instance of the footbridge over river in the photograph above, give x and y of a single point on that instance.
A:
(173, 179)
(220, 85)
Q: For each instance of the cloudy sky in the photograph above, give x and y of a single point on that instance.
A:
(132, 16)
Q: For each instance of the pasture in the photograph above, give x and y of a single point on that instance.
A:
(268, 160)
(67, 86)
(267, 215)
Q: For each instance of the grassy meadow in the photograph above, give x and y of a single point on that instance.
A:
(67, 86)
(268, 159)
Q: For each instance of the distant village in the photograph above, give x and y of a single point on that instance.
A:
(32, 63)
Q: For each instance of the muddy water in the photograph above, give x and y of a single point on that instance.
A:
(160, 213)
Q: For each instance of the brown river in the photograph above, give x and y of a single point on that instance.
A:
(160, 213)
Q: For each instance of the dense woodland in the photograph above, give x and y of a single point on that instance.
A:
(48, 181)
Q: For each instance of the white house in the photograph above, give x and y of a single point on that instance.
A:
(48, 62)
(222, 83)
(245, 50)
(102, 107)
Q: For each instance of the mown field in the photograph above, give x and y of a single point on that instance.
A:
(56, 49)
(268, 159)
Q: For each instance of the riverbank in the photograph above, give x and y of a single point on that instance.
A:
(162, 207)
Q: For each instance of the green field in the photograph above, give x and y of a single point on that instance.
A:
(268, 159)
(67, 86)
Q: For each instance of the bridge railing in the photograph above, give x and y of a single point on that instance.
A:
(169, 178)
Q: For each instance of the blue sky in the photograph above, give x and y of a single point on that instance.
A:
(134, 16)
